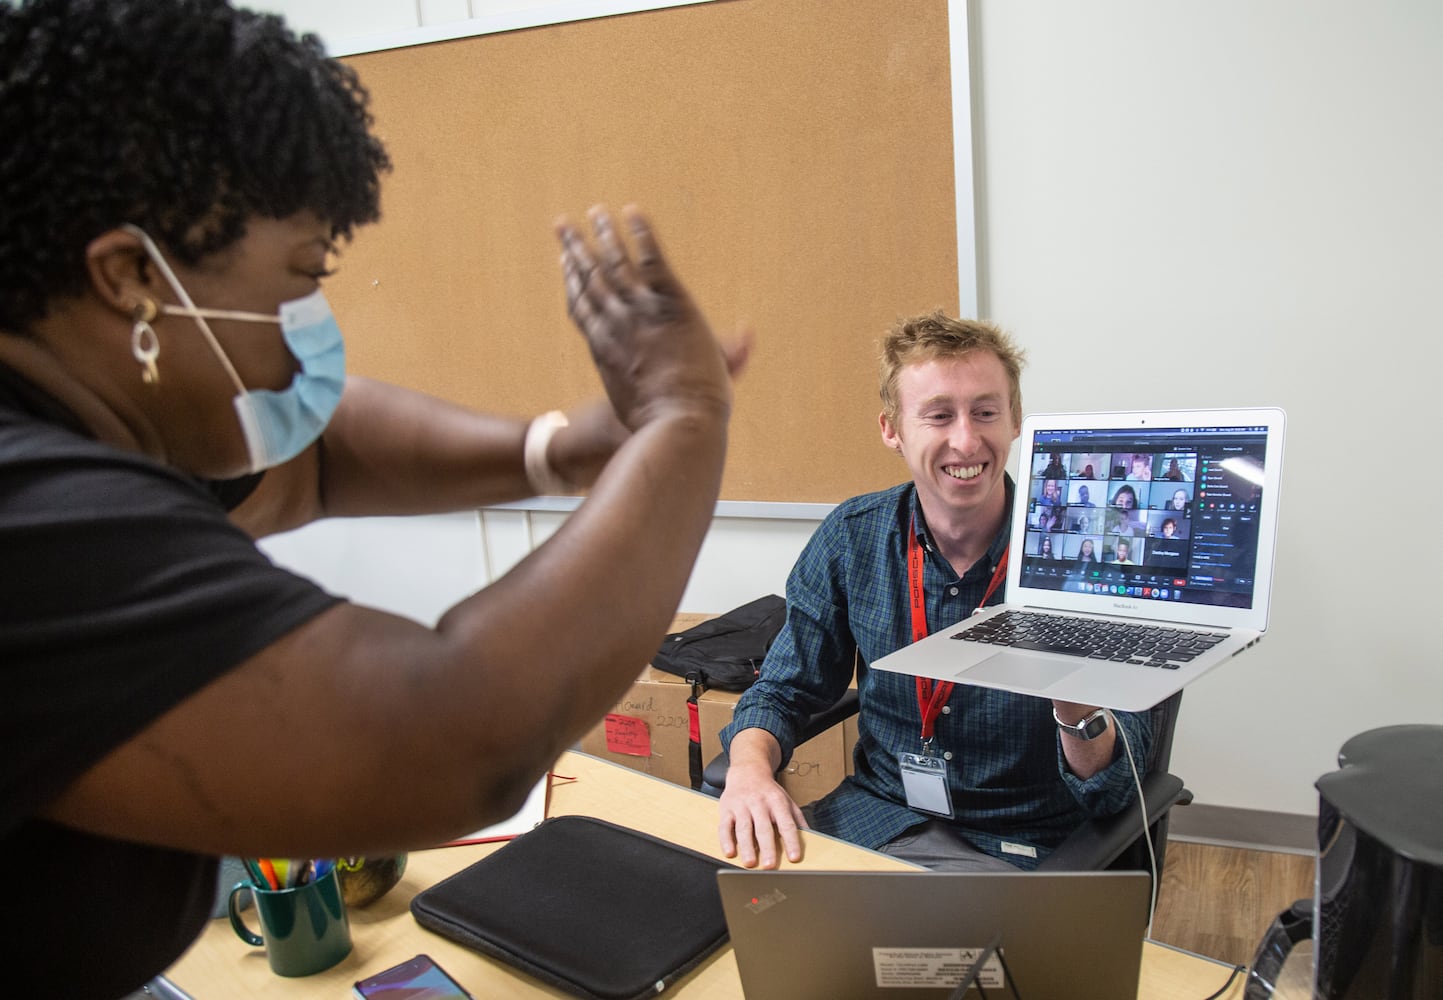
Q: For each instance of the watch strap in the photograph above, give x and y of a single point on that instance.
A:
(1090, 727)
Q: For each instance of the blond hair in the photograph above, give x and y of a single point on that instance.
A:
(935, 336)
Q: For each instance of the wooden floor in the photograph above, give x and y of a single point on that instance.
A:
(1219, 901)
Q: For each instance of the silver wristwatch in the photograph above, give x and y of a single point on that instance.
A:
(1090, 728)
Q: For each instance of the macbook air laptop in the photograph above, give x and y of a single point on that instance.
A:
(1141, 558)
(798, 935)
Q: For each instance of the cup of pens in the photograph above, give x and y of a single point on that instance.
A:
(302, 916)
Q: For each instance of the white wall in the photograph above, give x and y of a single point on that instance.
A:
(420, 566)
(1233, 202)
(1196, 205)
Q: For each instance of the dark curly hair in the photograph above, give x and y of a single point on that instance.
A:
(184, 117)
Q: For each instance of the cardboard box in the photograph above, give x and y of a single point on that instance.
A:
(647, 729)
(816, 767)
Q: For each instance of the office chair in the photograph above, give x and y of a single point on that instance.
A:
(1110, 843)
(1116, 842)
(714, 775)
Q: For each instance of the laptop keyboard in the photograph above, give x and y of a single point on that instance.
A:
(1120, 642)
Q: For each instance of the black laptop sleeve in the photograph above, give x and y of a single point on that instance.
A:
(595, 909)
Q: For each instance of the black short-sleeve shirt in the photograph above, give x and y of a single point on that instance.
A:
(126, 588)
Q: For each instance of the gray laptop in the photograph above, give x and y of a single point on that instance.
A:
(803, 934)
(1141, 558)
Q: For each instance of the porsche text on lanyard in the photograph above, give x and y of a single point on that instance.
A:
(931, 696)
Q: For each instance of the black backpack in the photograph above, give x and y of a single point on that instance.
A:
(725, 652)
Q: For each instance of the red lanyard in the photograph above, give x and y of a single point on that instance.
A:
(931, 697)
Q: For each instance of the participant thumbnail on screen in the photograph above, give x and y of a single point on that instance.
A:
(1176, 497)
(1129, 496)
(1175, 467)
(1049, 493)
(1123, 551)
(1132, 466)
(1049, 465)
(1048, 519)
(1087, 493)
(1046, 546)
(1166, 524)
(1087, 465)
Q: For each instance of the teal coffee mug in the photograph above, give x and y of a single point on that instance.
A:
(303, 930)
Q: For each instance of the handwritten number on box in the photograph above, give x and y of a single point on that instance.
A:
(628, 734)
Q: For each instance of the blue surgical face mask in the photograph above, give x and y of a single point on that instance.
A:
(277, 426)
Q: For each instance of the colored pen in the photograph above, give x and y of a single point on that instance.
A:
(269, 871)
(257, 876)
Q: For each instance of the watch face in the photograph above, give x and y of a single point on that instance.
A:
(1089, 728)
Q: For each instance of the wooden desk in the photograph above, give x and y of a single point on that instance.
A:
(219, 965)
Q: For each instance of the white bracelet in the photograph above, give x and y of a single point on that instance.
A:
(545, 480)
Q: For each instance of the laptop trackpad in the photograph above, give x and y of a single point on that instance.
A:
(1010, 669)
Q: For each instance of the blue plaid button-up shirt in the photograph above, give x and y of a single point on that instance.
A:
(847, 595)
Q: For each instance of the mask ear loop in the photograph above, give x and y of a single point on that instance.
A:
(144, 344)
(159, 260)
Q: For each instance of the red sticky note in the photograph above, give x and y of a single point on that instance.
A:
(629, 735)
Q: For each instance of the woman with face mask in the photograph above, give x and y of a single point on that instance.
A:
(177, 180)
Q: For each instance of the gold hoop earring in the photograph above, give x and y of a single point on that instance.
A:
(144, 344)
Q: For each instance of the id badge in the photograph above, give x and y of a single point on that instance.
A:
(924, 779)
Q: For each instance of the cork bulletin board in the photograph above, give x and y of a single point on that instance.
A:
(795, 157)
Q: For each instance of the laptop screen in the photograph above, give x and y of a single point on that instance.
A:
(1168, 514)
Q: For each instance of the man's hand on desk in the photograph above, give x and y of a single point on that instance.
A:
(756, 812)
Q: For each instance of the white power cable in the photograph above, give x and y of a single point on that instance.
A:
(1142, 805)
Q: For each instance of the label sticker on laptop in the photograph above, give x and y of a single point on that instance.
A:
(934, 967)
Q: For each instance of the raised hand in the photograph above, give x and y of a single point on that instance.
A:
(652, 347)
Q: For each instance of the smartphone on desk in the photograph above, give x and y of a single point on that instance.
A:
(418, 978)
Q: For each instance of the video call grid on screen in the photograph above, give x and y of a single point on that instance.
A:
(1166, 514)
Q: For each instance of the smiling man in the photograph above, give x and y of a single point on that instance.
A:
(955, 778)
